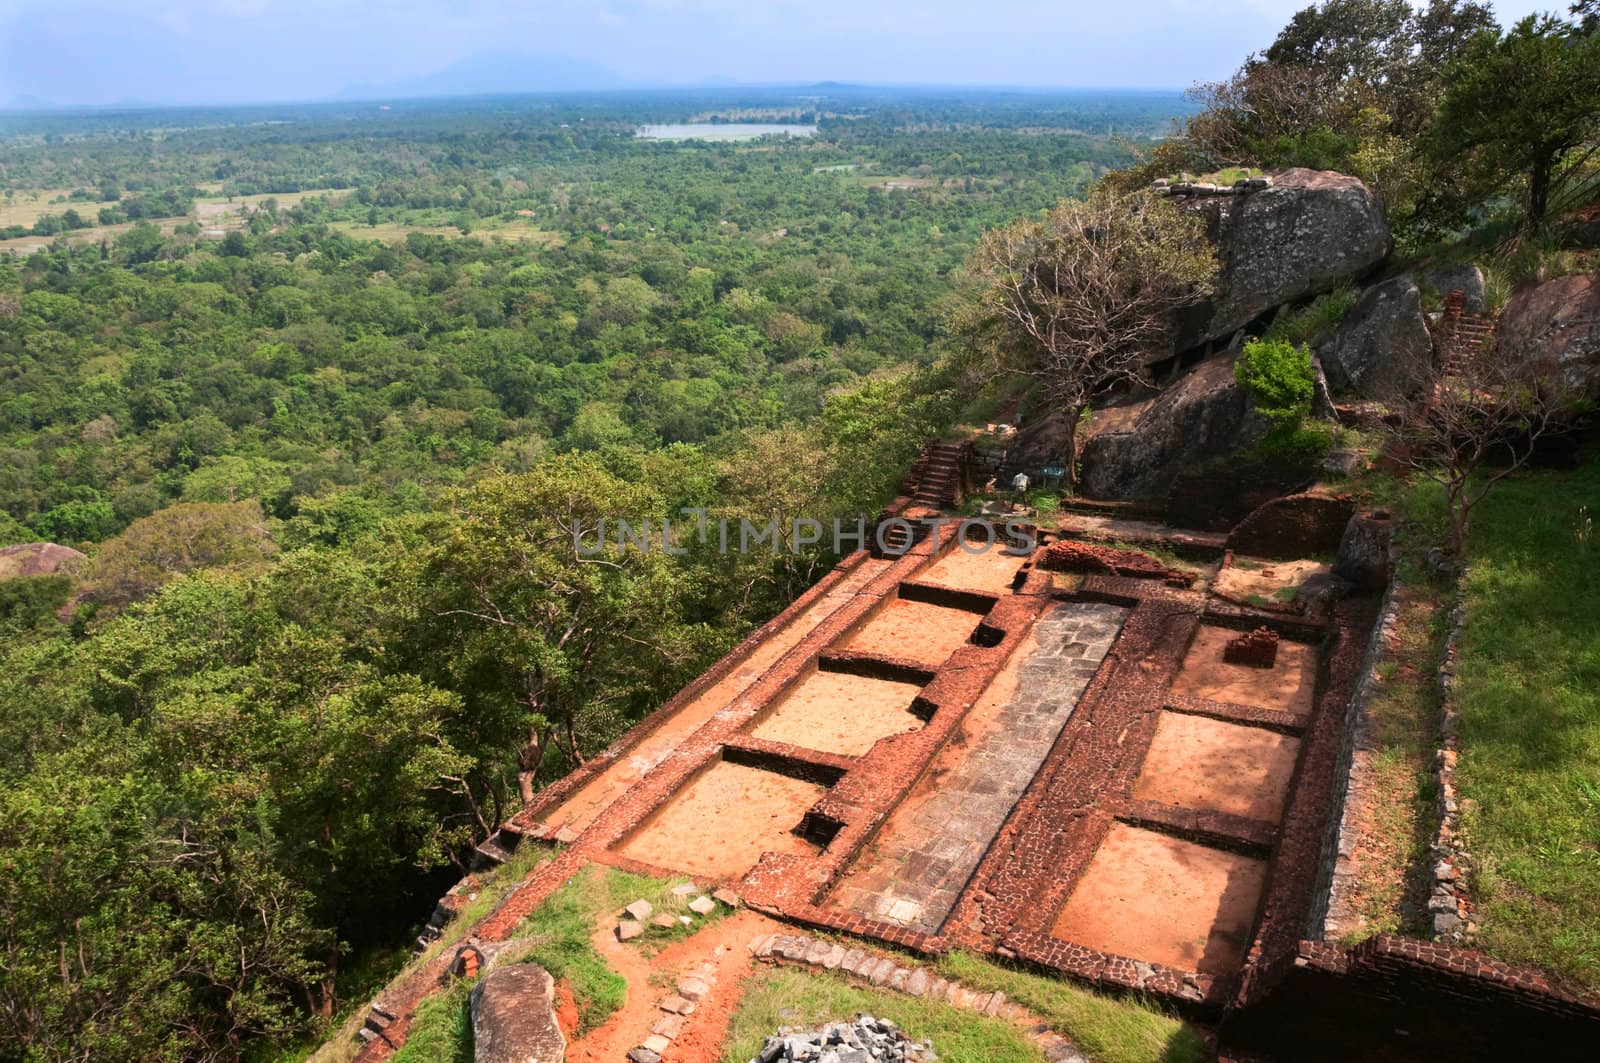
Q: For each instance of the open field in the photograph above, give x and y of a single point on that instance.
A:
(1529, 697)
(24, 207)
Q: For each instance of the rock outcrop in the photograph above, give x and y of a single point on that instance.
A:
(1309, 232)
(38, 559)
(1205, 414)
(514, 1017)
(1363, 555)
(1460, 277)
(1557, 324)
(1381, 343)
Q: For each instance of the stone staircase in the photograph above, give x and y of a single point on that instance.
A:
(1461, 336)
(938, 479)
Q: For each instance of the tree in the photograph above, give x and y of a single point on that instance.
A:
(1470, 417)
(1521, 109)
(175, 540)
(550, 637)
(1084, 298)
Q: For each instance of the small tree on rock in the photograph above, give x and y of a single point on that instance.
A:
(1471, 417)
(1084, 298)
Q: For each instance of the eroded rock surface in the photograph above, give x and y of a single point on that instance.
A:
(514, 1017)
(1309, 232)
(1381, 343)
(1460, 277)
(1205, 414)
(1558, 324)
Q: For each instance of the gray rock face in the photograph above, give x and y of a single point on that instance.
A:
(1557, 325)
(514, 1017)
(1304, 235)
(1381, 343)
(1363, 556)
(1203, 415)
(1463, 277)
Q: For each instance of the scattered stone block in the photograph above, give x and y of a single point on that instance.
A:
(657, 1044)
(762, 947)
(629, 929)
(665, 922)
(643, 1055)
(702, 906)
(852, 961)
(814, 955)
(917, 984)
(692, 988)
(677, 1005)
(684, 889)
(834, 958)
(669, 1027)
(639, 910)
(898, 978)
(728, 897)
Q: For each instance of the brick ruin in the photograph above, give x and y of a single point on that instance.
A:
(938, 747)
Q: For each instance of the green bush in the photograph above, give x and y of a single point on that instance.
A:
(1280, 380)
(1278, 376)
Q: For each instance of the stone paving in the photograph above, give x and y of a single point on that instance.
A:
(932, 843)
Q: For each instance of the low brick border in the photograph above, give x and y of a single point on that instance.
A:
(1333, 910)
(1450, 904)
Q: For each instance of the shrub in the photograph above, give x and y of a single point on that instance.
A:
(1279, 378)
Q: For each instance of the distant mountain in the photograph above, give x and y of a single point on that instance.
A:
(490, 73)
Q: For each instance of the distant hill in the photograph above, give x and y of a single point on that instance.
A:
(489, 73)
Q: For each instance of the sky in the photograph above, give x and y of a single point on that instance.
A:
(230, 51)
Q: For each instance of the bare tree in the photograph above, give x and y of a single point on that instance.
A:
(1471, 415)
(1084, 298)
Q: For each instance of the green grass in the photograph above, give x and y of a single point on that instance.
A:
(441, 1030)
(1530, 730)
(561, 927)
(556, 936)
(787, 997)
(1107, 1029)
(1313, 323)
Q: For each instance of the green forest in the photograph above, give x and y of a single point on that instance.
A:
(315, 395)
(316, 388)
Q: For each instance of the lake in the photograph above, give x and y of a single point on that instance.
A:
(722, 131)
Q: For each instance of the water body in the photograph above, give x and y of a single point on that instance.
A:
(723, 131)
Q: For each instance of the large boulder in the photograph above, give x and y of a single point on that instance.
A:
(1381, 343)
(1137, 451)
(1461, 277)
(514, 1016)
(1309, 232)
(1557, 324)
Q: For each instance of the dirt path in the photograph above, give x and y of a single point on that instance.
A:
(722, 946)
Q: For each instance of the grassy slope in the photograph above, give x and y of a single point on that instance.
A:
(558, 935)
(1107, 1029)
(1530, 736)
(787, 997)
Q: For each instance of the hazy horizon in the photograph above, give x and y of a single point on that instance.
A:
(187, 52)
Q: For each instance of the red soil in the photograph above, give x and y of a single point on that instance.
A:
(915, 631)
(1286, 686)
(1195, 762)
(835, 712)
(1157, 898)
(720, 824)
(582, 807)
(724, 944)
(566, 1010)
